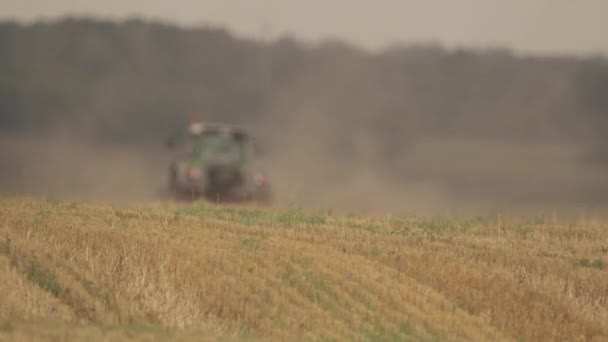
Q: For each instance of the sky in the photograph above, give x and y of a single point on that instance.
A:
(527, 26)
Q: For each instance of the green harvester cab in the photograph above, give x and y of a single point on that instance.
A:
(216, 162)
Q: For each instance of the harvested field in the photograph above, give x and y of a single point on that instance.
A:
(75, 270)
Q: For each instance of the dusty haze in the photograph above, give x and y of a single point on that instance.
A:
(87, 104)
(438, 177)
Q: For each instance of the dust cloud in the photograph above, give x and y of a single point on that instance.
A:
(320, 157)
(64, 166)
(450, 177)
(434, 176)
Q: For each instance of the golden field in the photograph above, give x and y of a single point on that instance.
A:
(86, 271)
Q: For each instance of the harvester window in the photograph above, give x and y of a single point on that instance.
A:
(212, 147)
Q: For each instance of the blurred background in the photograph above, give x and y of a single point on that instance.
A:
(396, 106)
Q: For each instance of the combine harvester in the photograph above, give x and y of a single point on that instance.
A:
(216, 162)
